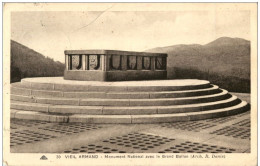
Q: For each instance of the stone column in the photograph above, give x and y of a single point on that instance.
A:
(124, 62)
(153, 63)
(139, 63)
(86, 62)
(103, 62)
(83, 62)
(107, 59)
(67, 62)
(165, 60)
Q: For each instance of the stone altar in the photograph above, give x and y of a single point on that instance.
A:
(114, 65)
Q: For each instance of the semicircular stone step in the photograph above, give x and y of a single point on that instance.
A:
(160, 118)
(106, 110)
(58, 83)
(115, 95)
(123, 102)
(154, 118)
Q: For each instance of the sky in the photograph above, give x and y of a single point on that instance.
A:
(52, 32)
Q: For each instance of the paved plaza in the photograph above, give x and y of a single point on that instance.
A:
(220, 135)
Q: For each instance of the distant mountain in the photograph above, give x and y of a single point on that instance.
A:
(26, 62)
(223, 41)
(224, 57)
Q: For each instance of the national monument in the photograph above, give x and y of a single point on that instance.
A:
(110, 86)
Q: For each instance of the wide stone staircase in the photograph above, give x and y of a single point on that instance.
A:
(54, 99)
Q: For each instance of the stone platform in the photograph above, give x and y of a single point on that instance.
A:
(54, 99)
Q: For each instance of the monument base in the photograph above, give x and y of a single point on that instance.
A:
(54, 99)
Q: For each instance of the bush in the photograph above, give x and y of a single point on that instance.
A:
(230, 83)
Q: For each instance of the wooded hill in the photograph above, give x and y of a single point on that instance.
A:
(26, 62)
(225, 62)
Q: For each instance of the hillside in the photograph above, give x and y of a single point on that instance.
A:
(224, 61)
(26, 62)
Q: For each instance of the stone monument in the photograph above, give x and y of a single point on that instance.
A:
(112, 65)
(109, 86)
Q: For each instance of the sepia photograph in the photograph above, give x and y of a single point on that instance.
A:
(127, 81)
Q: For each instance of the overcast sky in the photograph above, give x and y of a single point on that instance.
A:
(50, 33)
